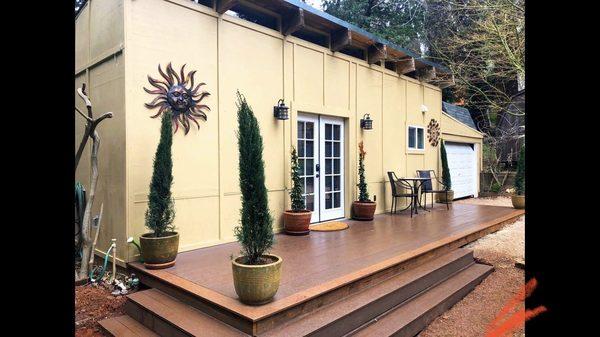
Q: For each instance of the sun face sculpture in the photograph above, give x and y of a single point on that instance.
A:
(433, 132)
(175, 96)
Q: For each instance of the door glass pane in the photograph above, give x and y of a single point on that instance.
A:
(310, 202)
(328, 200)
(328, 149)
(336, 183)
(420, 140)
(310, 133)
(411, 137)
(328, 183)
(300, 148)
(328, 168)
(336, 132)
(310, 166)
(327, 131)
(300, 130)
(301, 165)
(310, 185)
(336, 149)
(310, 147)
(336, 200)
(336, 166)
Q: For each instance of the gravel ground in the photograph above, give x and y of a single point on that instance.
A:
(471, 316)
(93, 304)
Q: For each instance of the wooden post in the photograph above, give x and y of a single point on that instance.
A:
(225, 5)
(426, 73)
(377, 52)
(405, 65)
(341, 39)
(293, 22)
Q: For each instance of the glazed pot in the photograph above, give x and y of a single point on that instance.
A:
(518, 201)
(256, 284)
(159, 252)
(442, 197)
(296, 223)
(363, 210)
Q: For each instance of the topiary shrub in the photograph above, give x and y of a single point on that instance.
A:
(255, 232)
(298, 203)
(161, 211)
(520, 176)
(363, 194)
(446, 180)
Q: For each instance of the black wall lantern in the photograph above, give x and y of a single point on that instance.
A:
(366, 123)
(280, 111)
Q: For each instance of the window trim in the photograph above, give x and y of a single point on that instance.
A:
(416, 149)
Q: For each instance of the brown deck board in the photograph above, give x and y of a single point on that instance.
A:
(325, 260)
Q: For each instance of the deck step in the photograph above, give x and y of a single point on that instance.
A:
(408, 319)
(349, 313)
(125, 326)
(168, 316)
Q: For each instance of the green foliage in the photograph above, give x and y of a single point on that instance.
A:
(520, 177)
(363, 194)
(255, 233)
(161, 211)
(298, 203)
(495, 187)
(445, 169)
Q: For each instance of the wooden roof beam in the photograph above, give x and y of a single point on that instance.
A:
(426, 73)
(377, 52)
(293, 22)
(405, 65)
(341, 39)
(225, 5)
(444, 80)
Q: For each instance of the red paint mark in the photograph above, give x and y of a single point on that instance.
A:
(517, 319)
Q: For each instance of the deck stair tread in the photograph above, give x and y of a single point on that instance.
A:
(350, 312)
(125, 326)
(183, 317)
(407, 319)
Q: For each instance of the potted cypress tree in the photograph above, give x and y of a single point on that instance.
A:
(364, 208)
(297, 220)
(159, 248)
(256, 274)
(518, 198)
(446, 180)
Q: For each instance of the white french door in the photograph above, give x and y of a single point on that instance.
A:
(321, 156)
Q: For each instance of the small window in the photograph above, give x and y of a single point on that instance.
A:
(416, 138)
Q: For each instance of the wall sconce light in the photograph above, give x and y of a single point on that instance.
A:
(366, 123)
(424, 108)
(280, 111)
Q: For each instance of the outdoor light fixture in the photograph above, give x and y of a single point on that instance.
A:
(366, 123)
(280, 111)
(424, 108)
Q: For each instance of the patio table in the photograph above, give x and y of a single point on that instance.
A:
(416, 184)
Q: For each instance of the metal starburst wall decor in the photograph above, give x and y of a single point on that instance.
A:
(433, 132)
(176, 94)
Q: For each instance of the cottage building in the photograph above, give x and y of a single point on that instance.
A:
(327, 71)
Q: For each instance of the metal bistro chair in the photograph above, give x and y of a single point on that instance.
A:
(396, 183)
(427, 187)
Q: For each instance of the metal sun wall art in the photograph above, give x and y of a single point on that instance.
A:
(433, 132)
(175, 96)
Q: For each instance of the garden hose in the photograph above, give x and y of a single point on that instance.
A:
(103, 269)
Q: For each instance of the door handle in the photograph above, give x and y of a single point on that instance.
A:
(317, 169)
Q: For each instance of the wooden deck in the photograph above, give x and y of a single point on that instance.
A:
(321, 262)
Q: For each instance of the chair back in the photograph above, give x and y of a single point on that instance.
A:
(396, 183)
(427, 184)
(392, 177)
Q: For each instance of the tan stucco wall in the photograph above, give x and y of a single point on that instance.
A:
(231, 54)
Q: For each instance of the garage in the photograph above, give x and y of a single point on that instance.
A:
(462, 161)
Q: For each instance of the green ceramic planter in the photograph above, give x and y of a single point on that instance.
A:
(159, 252)
(518, 201)
(442, 197)
(256, 284)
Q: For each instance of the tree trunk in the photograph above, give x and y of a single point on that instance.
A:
(86, 224)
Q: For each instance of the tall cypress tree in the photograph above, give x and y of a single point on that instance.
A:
(161, 211)
(298, 203)
(255, 233)
(445, 169)
(363, 194)
(520, 176)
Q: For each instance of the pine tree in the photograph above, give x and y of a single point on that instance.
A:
(446, 180)
(161, 211)
(255, 233)
(363, 194)
(520, 176)
(298, 203)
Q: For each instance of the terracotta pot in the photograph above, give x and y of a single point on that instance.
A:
(442, 197)
(159, 252)
(296, 223)
(363, 210)
(256, 284)
(518, 201)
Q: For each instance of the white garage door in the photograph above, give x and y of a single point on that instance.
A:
(462, 161)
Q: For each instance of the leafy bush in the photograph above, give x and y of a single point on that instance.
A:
(445, 169)
(495, 187)
(520, 176)
(363, 194)
(298, 203)
(255, 233)
(161, 211)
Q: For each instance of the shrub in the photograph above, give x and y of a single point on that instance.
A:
(363, 194)
(445, 169)
(255, 233)
(495, 187)
(520, 176)
(161, 211)
(298, 203)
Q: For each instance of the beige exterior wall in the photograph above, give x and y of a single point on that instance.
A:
(230, 54)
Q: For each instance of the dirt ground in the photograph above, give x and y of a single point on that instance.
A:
(93, 304)
(471, 316)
